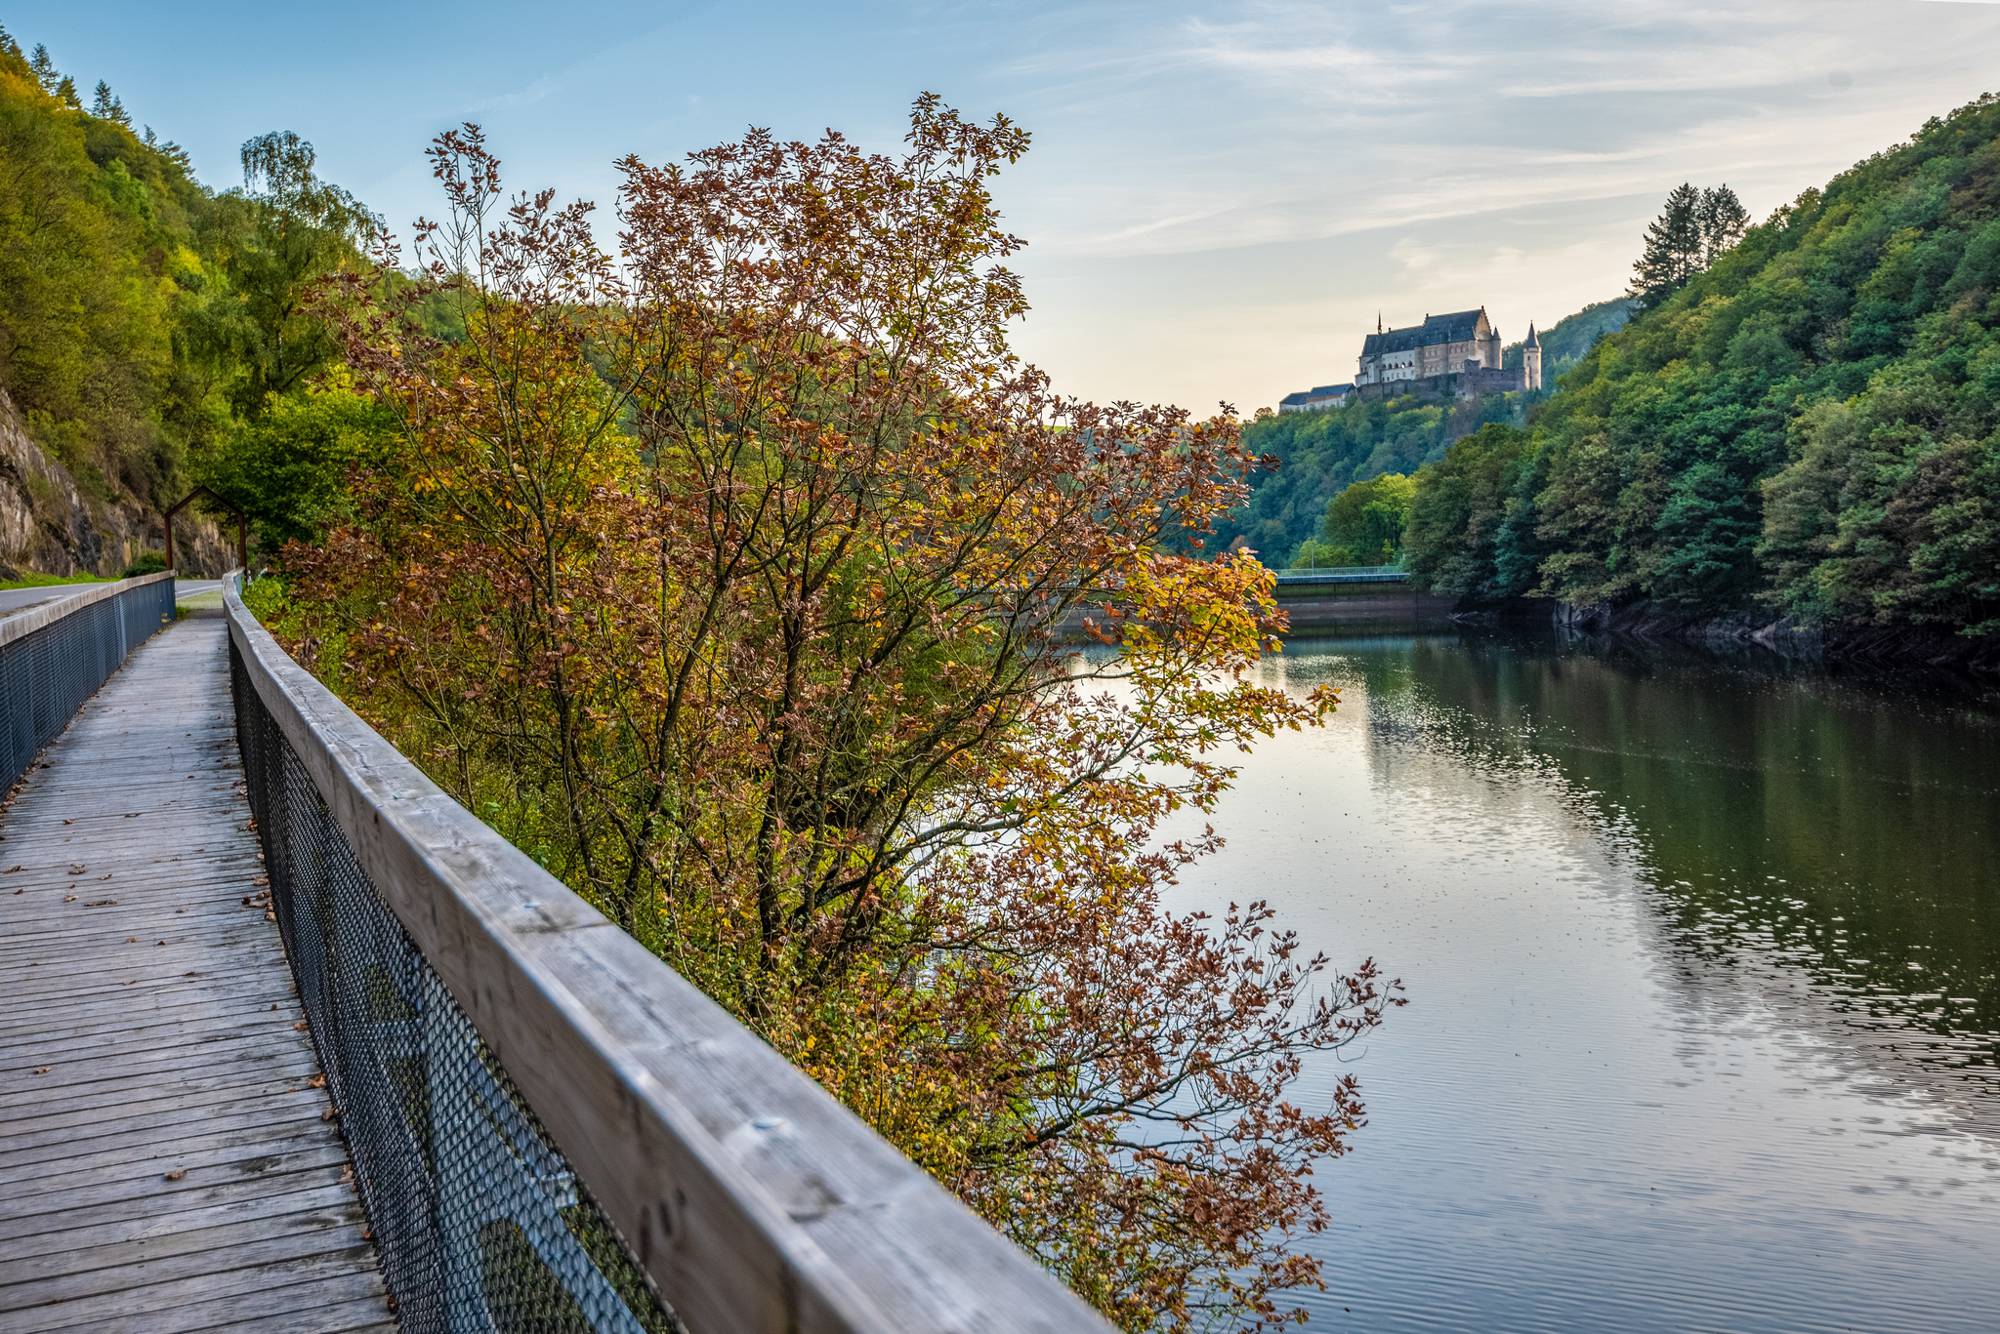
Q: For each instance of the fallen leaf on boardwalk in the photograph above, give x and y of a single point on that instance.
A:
(176, 1174)
(328, 1114)
(317, 1081)
(69, 822)
(12, 869)
(43, 1069)
(300, 1026)
(131, 940)
(270, 917)
(100, 903)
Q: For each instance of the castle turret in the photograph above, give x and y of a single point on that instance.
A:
(1531, 360)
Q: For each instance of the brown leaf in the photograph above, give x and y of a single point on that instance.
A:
(176, 1174)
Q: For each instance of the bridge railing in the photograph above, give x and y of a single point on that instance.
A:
(552, 1129)
(1345, 574)
(54, 657)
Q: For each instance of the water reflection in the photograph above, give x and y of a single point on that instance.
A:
(1706, 974)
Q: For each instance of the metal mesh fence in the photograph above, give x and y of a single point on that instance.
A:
(478, 1219)
(47, 674)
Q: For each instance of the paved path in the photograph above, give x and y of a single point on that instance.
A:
(165, 1161)
(20, 599)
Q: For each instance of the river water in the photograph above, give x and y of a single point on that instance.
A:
(1704, 970)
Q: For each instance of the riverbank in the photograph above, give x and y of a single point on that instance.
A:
(1873, 645)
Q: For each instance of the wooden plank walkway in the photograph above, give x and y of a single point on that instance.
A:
(166, 1157)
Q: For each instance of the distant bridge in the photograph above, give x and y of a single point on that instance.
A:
(1343, 574)
(292, 1041)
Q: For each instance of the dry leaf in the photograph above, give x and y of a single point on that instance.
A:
(176, 1174)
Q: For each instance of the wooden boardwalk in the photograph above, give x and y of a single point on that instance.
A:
(167, 1158)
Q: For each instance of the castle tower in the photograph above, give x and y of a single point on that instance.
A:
(1531, 360)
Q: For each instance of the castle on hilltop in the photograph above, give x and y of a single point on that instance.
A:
(1457, 354)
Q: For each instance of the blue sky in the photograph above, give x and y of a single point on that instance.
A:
(1220, 197)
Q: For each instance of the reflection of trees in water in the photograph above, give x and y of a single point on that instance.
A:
(1842, 835)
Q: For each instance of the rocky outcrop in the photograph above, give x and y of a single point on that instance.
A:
(48, 525)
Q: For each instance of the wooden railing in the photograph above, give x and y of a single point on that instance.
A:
(512, 1068)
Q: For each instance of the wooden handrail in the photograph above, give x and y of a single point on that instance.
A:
(754, 1201)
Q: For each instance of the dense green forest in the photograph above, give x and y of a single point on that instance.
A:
(1565, 342)
(1317, 454)
(155, 333)
(1812, 424)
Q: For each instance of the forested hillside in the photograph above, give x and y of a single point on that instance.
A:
(147, 323)
(1319, 454)
(1812, 425)
(1565, 342)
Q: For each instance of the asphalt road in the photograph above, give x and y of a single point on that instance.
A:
(19, 599)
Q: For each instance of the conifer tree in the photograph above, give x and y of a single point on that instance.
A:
(1723, 220)
(66, 90)
(104, 106)
(44, 68)
(1673, 248)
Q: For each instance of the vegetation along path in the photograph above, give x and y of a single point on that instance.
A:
(168, 1159)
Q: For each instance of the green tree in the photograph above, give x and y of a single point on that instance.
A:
(45, 70)
(290, 467)
(107, 107)
(1459, 509)
(1673, 248)
(298, 229)
(1364, 524)
(1723, 220)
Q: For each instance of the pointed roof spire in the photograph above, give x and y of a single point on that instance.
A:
(1378, 321)
(1532, 340)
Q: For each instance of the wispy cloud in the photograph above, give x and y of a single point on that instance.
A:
(537, 91)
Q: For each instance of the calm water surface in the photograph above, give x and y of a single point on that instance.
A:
(1704, 967)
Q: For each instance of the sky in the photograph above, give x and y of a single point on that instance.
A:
(1220, 199)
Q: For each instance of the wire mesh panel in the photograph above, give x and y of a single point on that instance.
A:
(479, 1220)
(47, 673)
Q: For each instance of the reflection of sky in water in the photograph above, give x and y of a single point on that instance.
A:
(1703, 1019)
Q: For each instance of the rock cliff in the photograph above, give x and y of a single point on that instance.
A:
(48, 524)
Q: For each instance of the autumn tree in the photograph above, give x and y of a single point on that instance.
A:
(738, 582)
